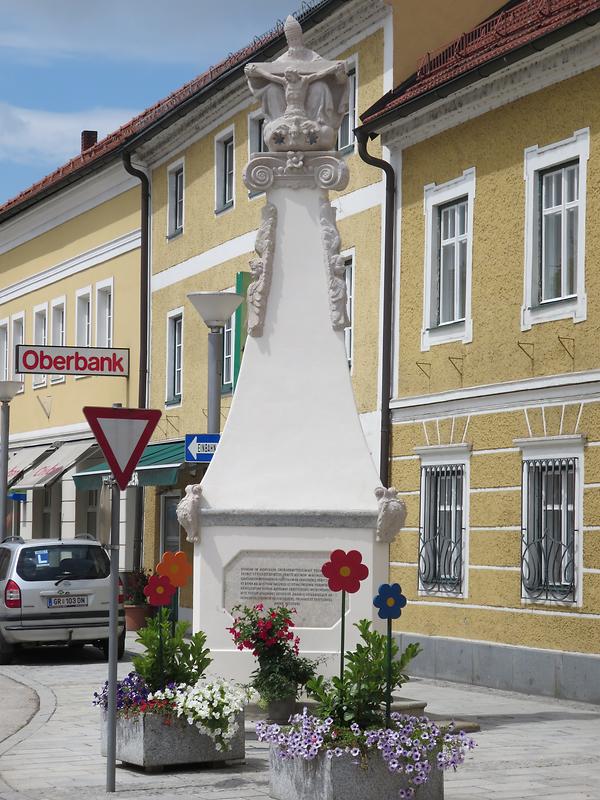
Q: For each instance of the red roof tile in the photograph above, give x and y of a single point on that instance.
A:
(507, 31)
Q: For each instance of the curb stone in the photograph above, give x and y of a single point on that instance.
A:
(47, 707)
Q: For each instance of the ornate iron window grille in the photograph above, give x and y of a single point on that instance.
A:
(548, 529)
(441, 530)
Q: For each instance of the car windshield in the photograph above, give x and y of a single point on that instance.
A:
(52, 562)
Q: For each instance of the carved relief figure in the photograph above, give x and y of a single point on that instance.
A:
(260, 268)
(392, 514)
(304, 97)
(334, 263)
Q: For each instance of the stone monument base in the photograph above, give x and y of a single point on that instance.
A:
(278, 563)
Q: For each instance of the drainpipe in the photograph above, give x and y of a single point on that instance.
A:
(143, 363)
(388, 294)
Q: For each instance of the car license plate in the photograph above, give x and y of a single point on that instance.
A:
(68, 601)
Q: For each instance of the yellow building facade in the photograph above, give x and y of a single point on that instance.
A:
(70, 268)
(496, 412)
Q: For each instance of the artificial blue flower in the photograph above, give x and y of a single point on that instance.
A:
(390, 601)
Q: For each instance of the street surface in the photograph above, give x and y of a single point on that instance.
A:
(528, 747)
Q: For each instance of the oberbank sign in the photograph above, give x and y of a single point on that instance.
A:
(72, 360)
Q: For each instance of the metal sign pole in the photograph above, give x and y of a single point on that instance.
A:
(113, 626)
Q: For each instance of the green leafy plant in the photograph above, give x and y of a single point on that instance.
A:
(168, 657)
(360, 696)
(282, 677)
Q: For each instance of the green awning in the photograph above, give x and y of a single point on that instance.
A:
(159, 466)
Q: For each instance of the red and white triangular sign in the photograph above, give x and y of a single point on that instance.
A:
(122, 434)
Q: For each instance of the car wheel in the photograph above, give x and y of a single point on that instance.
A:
(6, 652)
(120, 646)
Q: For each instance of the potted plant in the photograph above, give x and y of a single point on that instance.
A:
(137, 609)
(281, 672)
(168, 713)
(354, 747)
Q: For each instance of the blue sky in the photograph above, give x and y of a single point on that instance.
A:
(66, 65)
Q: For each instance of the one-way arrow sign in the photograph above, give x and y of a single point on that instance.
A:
(122, 434)
(200, 447)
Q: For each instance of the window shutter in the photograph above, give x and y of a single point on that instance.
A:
(242, 281)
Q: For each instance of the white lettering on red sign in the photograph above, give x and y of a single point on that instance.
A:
(72, 360)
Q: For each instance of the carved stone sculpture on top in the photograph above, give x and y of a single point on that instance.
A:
(304, 97)
(392, 514)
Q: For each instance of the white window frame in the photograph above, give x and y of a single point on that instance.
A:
(79, 295)
(18, 319)
(220, 141)
(448, 455)
(173, 230)
(254, 118)
(40, 312)
(350, 255)
(537, 160)
(436, 196)
(5, 349)
(557, 447)
(103, 289)
(350, 147)
(171, 399)
(58, 302)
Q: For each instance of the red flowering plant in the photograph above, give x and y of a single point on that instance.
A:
(269, 635)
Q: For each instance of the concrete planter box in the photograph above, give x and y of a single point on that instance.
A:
(145, 741)
(340, 779)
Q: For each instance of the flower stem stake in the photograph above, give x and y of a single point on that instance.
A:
(390, 601)
(344, 572)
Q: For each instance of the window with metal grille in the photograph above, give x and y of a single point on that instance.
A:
(548, 538)
(441, 529)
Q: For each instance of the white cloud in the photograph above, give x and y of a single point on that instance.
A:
(30, 136)
(178, 31)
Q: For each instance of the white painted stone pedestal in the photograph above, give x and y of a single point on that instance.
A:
(292, 478)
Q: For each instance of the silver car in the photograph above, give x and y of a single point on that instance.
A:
(55, 591)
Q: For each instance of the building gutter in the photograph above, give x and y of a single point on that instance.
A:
(375, 125)
(363, 137)
(138, 531)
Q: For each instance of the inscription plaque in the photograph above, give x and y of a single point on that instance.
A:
(282, 578)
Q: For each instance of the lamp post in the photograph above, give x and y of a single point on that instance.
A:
(8, 390)
(215, 308)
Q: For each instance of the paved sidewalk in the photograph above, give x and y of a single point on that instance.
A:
(18, 705)
(528, 746)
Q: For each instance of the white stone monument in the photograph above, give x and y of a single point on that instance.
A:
(292, 478)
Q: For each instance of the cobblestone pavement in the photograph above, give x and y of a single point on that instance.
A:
(528, 746)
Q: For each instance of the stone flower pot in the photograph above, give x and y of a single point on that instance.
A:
(341, 779)
(144, 740)
(281, 710)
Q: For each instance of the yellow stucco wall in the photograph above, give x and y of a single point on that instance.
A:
(491, 608)
(87, 231)
(494, 144)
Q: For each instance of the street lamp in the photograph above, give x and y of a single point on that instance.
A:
(215, 308)
(8, 390)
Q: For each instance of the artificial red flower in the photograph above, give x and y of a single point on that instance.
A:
(345, 571)
(175, 567)
(159, 590)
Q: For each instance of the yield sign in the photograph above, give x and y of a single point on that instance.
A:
(122, 434)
